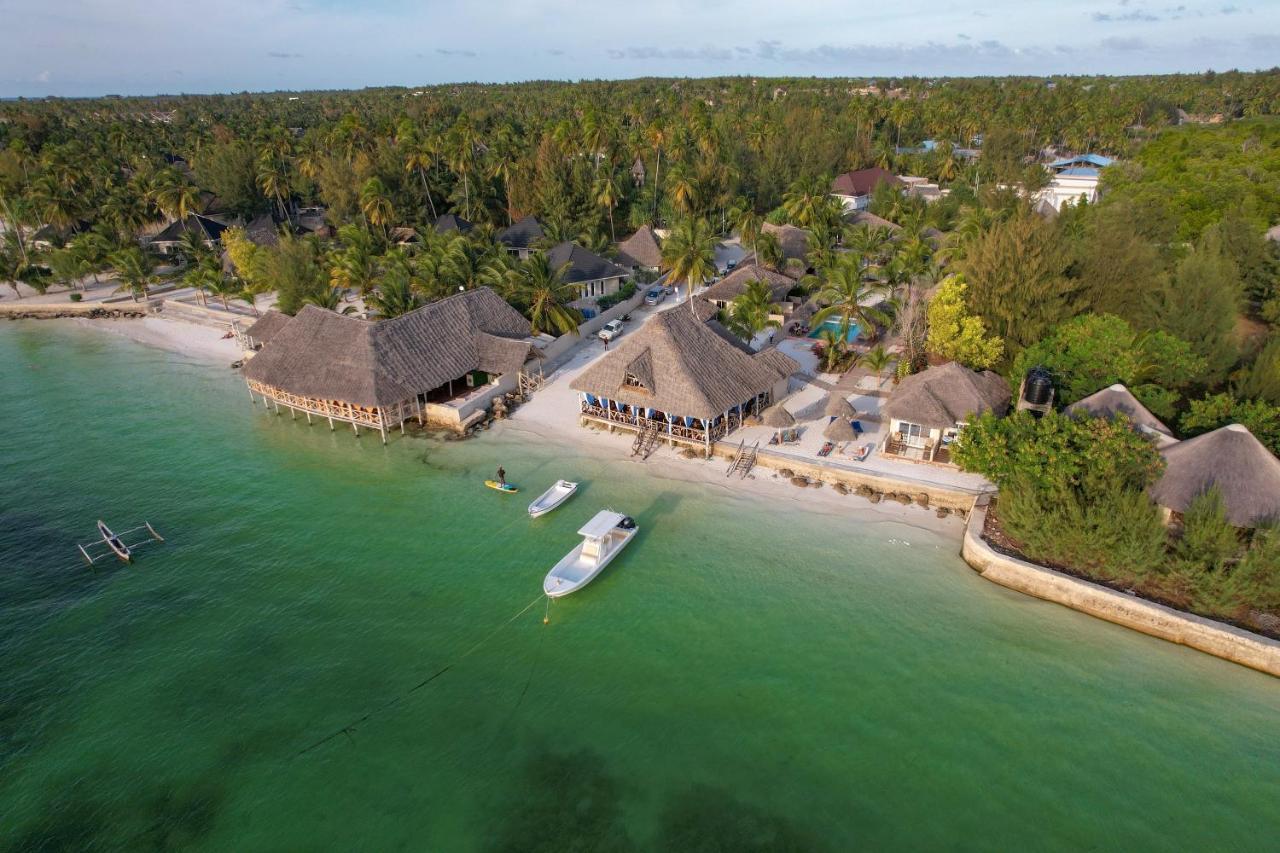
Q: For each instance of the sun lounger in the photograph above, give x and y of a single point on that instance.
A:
(863, 452)
(826, 449)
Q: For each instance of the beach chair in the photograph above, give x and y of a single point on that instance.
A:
(857, 427)
(826, 449)
(863, 452)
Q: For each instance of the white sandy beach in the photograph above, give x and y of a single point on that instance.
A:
(203, 343)
(552, 416)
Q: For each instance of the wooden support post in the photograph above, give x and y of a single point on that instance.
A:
(293, 413)
(331, 426)
(383, 429)
(355, 429)
(308, 419)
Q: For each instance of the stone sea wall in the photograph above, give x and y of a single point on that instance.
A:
(1215, 638)
(93, 310)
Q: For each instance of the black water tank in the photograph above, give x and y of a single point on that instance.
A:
(1038, 388)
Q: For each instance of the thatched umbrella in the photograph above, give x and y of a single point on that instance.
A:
(835, 406)
(839, 430)
(778, 417)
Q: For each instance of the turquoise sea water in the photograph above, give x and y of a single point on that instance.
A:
(744, 677)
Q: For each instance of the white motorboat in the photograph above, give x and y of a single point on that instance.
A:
(602, 538)
(552, 498)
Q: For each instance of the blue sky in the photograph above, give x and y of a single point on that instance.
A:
(94, 47)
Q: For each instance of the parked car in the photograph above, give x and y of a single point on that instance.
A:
(655, 295)
(610, 330)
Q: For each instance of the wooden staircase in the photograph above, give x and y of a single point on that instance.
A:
(744, 460)
(646, 439)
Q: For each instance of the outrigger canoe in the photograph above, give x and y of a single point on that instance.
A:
(552, 498)
(114, 542)
(501, 487)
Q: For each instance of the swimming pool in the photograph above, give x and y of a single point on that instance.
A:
(833, 323)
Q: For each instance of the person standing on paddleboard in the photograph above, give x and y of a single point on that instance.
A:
(502, 475)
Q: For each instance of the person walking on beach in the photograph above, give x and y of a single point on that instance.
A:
(502, 475)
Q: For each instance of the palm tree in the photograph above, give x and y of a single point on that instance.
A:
(355, 266)
(748, 223)
(136, 270)
(174, 194)
(205, 275)
(329, 298)
(769, 251)
(834, 344)
(845, 293)
(684, 192)
(751, 312)
(16, 266)
(375, 204)
(877, 359)
(395, 294)
(689, 253)
(419, 159)
(541, 287)
(805, 201)
(607, 195)
(273, 179)
(656, 135)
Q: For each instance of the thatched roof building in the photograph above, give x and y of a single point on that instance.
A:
(794, 241)
(319, 359)
(946, 395)
(641, 249)
(267, 327)
(677, 365)
(1244, 471)
(1118, 400)
(735, 284)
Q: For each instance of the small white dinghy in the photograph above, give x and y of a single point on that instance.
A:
(602, 538)
(552, 498)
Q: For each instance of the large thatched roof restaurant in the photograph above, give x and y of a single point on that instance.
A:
(441, 363)
(929, 409)
(1230, 458)
(680, 380)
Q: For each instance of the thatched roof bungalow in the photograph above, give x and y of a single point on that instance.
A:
(441, 362)
(1242, 468)
(679, 380)
(927, 410)
(642, 249)
(735, 284)
(1116, 400)
(263, 330)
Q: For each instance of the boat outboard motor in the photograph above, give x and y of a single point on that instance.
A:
(627, 523)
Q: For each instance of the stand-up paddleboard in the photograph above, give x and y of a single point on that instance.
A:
(501, 487)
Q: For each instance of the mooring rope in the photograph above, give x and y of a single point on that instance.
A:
(349, 728)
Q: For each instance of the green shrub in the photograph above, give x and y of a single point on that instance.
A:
(628, 290)
(76, 297)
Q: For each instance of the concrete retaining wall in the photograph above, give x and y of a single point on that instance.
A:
(51, 310)
(1215, 638)
(558, 349)
(939, 496)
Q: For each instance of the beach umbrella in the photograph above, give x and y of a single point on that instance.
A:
(835, 406)
(839, 430)
(777, 417)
